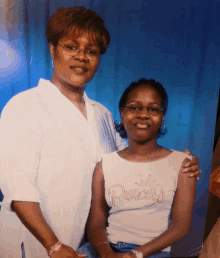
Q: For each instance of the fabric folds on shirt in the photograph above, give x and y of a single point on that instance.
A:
(48, 153)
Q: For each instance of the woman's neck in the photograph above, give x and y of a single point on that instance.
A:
(74, 94)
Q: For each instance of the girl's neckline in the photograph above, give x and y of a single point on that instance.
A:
(145, 162)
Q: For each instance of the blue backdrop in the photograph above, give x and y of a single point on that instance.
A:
(174, 42)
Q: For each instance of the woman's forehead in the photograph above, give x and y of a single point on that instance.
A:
(76, 33)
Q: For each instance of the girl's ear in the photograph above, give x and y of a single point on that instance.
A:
(121, 119)
(162, 122)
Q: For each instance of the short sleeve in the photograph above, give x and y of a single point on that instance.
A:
(21, 141)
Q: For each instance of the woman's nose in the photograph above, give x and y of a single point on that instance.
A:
(80, 54)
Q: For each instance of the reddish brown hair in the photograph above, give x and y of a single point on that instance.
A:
(77, 20)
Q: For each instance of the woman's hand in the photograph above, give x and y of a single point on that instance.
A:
(191, 166)
(67, 252)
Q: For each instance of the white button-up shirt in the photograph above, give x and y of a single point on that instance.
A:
(48, 153)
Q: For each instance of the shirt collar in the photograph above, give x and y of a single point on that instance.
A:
(54, 92)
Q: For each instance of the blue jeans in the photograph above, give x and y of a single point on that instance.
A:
(120, 247)
(22, 250)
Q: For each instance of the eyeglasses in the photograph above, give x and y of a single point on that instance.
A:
(136, 109)
(73, 50)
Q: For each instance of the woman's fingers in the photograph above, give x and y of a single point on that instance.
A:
(194, 161)
(187, 151)
(194, 169)
(196, 174)
(191, 166)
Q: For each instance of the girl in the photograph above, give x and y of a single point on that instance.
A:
(138, 186)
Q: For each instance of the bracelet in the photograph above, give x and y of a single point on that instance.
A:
(101, 243)
(137, 254)
(54, 248)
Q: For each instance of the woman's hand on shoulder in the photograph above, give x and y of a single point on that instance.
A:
(191, 166)
(67, 252)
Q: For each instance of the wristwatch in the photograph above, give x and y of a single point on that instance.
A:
(138, 254)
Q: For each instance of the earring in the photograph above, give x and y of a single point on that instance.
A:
(163, 126)
(52, 63)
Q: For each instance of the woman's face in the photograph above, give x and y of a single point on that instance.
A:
(75, 60)
(142, 127)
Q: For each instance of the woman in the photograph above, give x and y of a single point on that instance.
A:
(53, 135)
(138, 186)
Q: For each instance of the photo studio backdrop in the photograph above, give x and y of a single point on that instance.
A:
(173, 42)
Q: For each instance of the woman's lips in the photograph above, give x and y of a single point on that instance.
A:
(79, 69)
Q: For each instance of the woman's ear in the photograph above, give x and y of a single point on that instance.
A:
(52, 50)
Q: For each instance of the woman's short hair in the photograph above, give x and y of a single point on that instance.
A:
(123, 100)
(77, 20)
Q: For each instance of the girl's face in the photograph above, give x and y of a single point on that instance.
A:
(75, 60)
(144, 125)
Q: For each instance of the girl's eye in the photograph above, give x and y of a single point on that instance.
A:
(92, 51)
(153, 109)
(134, 108)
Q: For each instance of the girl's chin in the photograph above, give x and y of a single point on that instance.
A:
(143, 139)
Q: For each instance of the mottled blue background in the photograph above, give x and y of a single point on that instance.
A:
(173, 42)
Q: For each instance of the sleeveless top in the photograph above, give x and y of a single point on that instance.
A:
(140, 196)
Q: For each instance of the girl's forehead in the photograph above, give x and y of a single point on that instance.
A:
(144, 92)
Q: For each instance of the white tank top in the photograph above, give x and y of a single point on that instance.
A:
(140, 196)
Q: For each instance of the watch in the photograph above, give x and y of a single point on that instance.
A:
(138, 254)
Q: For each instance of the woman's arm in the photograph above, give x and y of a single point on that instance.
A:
(31, 216)
(181, 215)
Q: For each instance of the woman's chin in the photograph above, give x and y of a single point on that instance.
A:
(78, 82)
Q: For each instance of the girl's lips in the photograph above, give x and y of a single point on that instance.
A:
(142, 126)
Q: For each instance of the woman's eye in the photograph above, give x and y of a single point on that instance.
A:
(70, 47)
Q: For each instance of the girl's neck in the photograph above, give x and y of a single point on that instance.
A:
(146, 149)
(144, 153)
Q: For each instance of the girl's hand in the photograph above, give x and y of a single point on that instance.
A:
(67, 252)
(120, 255)
(191, 166)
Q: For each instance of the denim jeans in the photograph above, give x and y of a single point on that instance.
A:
(22, 250)
(120, 247)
